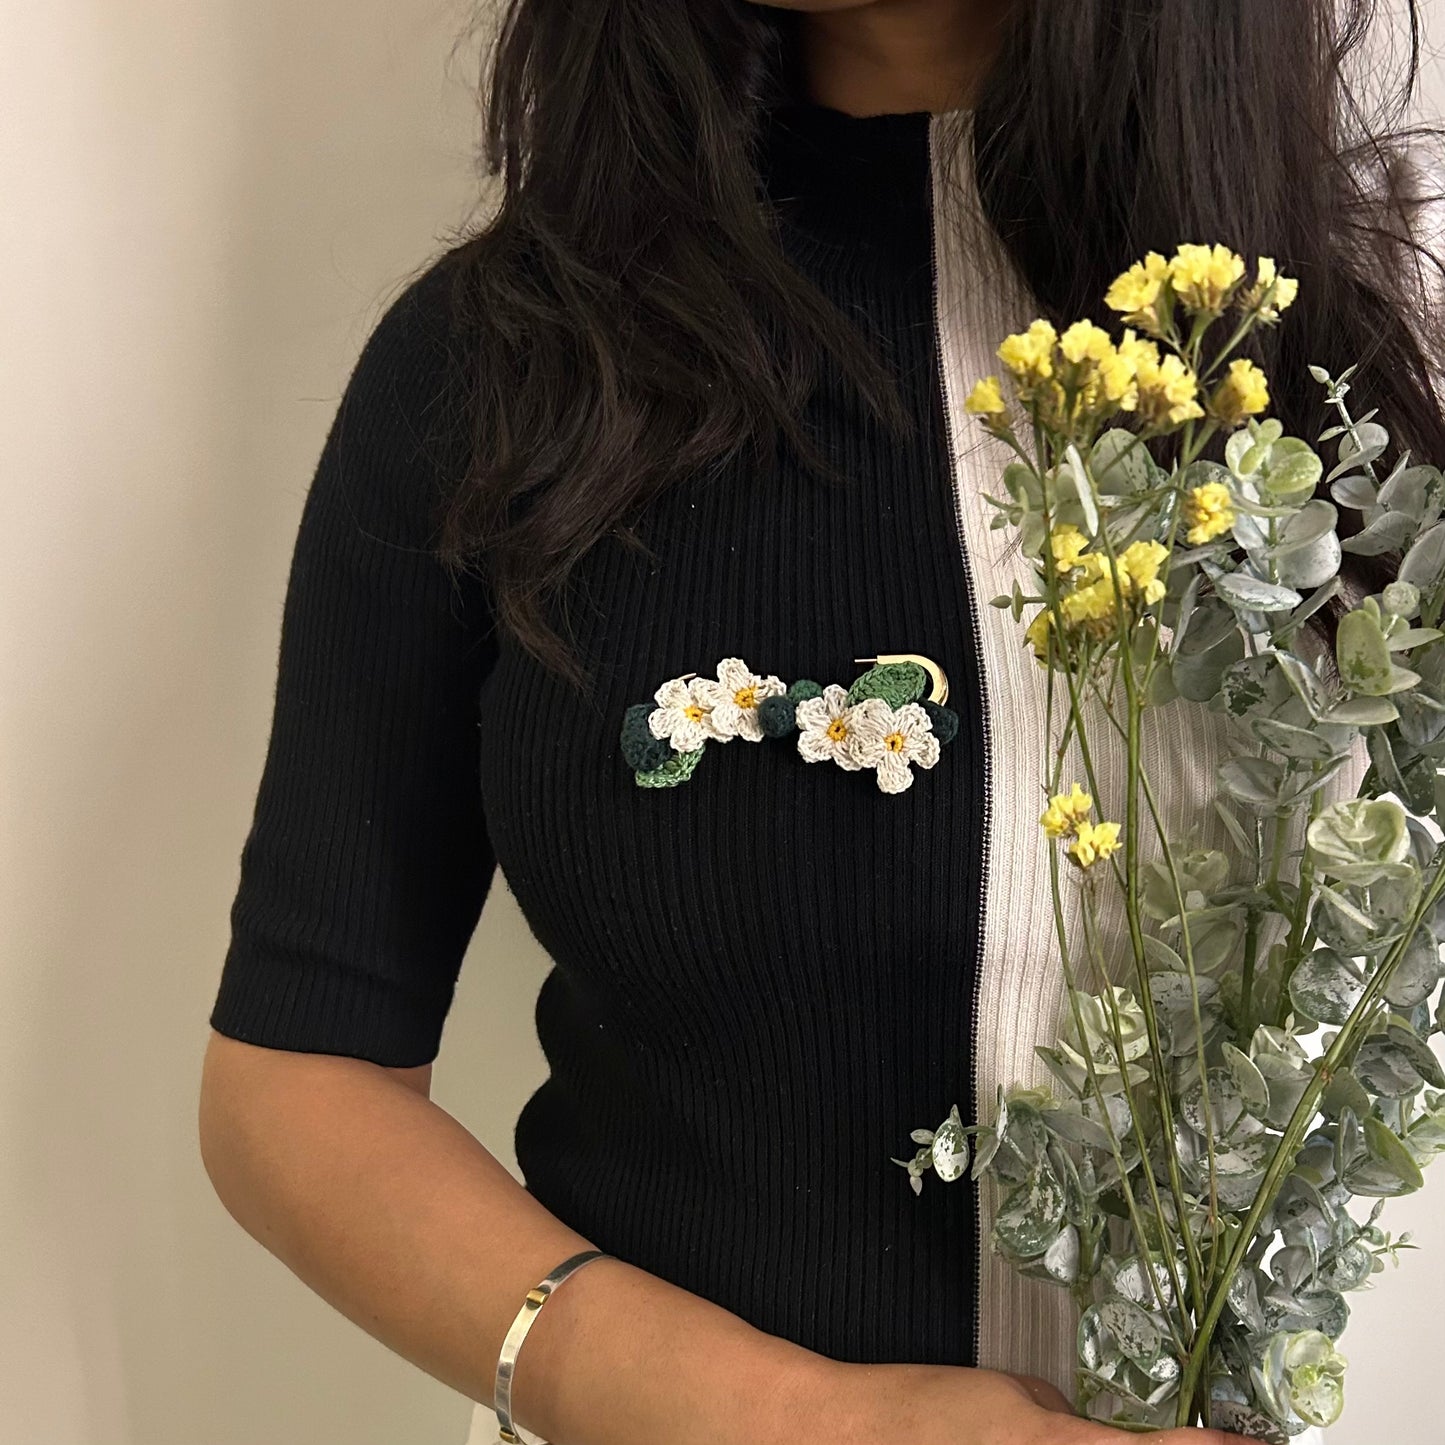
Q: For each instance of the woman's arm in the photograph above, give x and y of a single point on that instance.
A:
(393, 1213)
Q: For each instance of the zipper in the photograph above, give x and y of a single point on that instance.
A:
(986, 725)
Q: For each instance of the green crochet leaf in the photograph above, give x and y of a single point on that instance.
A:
(677, 769)
(895, 682)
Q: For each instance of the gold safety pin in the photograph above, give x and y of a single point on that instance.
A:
(936, 675)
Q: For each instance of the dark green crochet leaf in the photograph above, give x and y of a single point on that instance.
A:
(895, 682)
(677, 769)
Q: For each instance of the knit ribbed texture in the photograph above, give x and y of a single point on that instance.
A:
(762, 979)
(367, 861)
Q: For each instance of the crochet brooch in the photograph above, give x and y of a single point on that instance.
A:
(883, 721)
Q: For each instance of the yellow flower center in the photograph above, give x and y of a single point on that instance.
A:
(837, 730)
(692, 712)
(746, 697)
(895, 742)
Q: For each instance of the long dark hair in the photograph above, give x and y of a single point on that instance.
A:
(636, 320)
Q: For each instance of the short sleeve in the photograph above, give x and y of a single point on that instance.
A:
(367, 861)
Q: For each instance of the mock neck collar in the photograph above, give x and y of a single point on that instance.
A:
(860, 185)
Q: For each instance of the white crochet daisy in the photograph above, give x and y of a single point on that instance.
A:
(825, 728)
(892, 740)
(732, 700)
(683, 714)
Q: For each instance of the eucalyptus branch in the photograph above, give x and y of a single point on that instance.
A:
(1284, 1156)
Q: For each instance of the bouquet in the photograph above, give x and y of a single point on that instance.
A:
(1245, 1055)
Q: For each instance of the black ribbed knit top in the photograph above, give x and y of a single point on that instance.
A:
(762, 979)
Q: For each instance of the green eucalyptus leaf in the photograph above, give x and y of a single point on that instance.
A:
(1225, 1105)
(1413, 637)
(1424, 564)
(1243, 591)
(1420, 1054)
(1348, 1268)
(1387, 1170)
(1255, 782)
(1030, 1217)
(1253, 1090)
(1417, 973)
(1312, 522)
(1345, 1091)
(1121, 462)
(1134, 1332)
(1294, 471)
(1074, 469)
(1308, 744)
(1363, 654)
(1407, 490)
(1389, 532)
(1311, 564)
(1326, 987)
(1359, 841)
(1247, 684)
(1357, 492)
(949, 1147)
(1363, 712)
(1061, 1258)
(1304, 680)
(1077, 1128)
(1319, 598)
(1387, 1069)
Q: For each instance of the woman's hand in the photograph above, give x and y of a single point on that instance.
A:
(951, 1405)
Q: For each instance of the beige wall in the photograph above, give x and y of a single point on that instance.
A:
(204, 207)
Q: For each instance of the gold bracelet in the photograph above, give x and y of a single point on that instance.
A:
(511, 1432)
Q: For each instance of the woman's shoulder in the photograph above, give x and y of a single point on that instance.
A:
(402, 432)
(418, 347)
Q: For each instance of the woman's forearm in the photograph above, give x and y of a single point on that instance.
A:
(391, 1211)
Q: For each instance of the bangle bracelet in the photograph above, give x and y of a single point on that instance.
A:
(507, 1360)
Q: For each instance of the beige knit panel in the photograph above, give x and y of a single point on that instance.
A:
(1028, 1326)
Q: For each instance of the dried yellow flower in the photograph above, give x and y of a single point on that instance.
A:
(1244, 392)
(1066, 812)
(1067, 544)
(1208, 513)
(1029, 355)
(986, 399)
(1167, 390)
(1095, 843)
(1271, 292)
(1138, 292)
(1204, 278)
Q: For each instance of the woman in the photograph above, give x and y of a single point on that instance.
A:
(691, 404)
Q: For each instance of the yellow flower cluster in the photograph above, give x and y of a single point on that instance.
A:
(1065, 812)
(1067, 544)
(1271, 292)
(1067, 816)
(1096, 842)
(1167, 393)
(1094, 602)
(1083, 375)
(1069, 379)
(1038, 633)
(1208, 512)
(1139, 291)
(986, 399)
(1204, 279)
(1244, 392)
(1091, 606)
